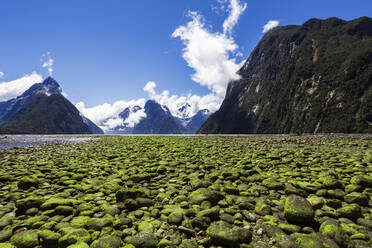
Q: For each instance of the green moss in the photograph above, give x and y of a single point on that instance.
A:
(98, 223)
(25, 239)
(352, 211)
(124, 194)
(298, 210)
(80, 221)
(222, 234)
(73, 236)
(54, 202)
(107, 242)
(28, 182)
(79, 244)
(262, 208)
(94, 207)
(7, 245)
(49, 237)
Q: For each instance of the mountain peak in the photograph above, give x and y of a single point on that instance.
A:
(49, 80)
(49, 86)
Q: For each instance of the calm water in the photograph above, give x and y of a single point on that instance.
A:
(12, 141)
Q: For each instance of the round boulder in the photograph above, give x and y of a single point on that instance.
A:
(298, 210)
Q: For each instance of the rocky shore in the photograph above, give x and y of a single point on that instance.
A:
(142, 192)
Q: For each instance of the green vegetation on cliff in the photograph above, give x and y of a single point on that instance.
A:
(314, 78)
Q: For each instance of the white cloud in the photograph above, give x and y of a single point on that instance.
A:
(135, 117)
(47, 62)
(106, 115)
(235, 10)
(12, 89)
(149, 87)
(1, 74)
(212, 55)
(174, 102)
(270, 25)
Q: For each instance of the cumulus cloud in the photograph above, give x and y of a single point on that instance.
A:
(150, 87)
(12, 89)
(213, 56)
(174, 102)
(106, 115)
(235, 10)
(270, 25)
(48, 62)
(134, 118)
(1, 74)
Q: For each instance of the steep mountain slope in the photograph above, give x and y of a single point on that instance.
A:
(47, 115)
(93, 127)
(158, 120)
(314, 78)
(9, 108)
(42, 109)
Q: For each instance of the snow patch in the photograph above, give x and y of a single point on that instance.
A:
(257, 88)
(255, 108)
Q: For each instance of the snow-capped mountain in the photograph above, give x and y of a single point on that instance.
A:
(8, 108)
(192, 124)
(155, 118)
(184, 111)
(42, 109)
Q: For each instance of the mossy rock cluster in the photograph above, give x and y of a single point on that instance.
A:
(257, 191)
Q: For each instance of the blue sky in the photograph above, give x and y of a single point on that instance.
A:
(107, 51)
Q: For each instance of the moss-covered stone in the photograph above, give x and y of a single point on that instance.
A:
(331, 228)
(73, 236)
(223, 234)
(5, 234)
(298, 210)
(351, 211)
(28, 182)
(79, 244)
(54, 202)
(63, 210)
(98, 223)
(48, 237)
(204, 194)
(358, 198)
(107, 242)
(364, 181)
(201, 222)
(29, 202)
(5, 221)
(262, 208)
(175, 218)
(80, 221)
(289, 228)
(144, 240)
(25, 239)
(131, 193)
(7, 245)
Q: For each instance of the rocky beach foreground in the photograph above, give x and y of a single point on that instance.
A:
(208, 191)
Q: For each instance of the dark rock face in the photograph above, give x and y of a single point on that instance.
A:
(93, 127)
(43, 114)
(314, 78)
(158, 120)
(42, 109)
